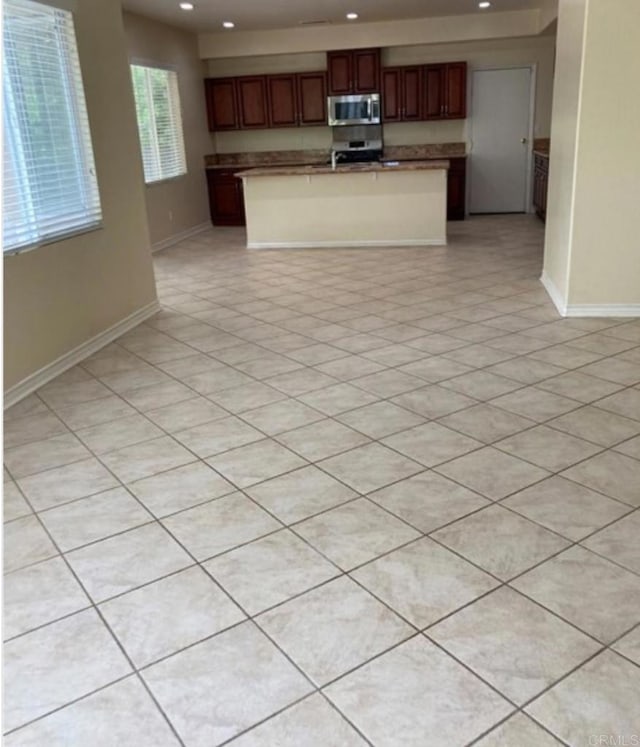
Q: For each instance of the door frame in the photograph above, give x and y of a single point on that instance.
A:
(533, 67)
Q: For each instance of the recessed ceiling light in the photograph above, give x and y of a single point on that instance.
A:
(352, 16)
(484, 5)
(186, 6)
(228, 24)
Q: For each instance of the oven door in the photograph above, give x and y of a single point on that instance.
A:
(354, 109)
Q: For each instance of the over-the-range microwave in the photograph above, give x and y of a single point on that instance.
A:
(358, 109)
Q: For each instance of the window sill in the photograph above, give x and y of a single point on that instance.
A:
(165, 181)
(54, 239)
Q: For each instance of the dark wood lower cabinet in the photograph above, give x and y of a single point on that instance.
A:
(456, 189)
(226, 198)
(540, 185)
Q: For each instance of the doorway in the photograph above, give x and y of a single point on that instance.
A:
(501, 128)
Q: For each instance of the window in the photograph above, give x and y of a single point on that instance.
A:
(49, 183)
(159, 122)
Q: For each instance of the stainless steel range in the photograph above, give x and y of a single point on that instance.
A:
(357, 143)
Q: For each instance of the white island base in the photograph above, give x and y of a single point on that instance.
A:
(353, 206)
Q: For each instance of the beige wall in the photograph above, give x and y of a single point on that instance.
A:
(62, 295)
(177, 205)
(389, 208)
(592, 252)
(538, 51)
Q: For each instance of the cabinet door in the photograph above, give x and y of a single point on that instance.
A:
(283, 104)
(456, 188)
(221, 103)
(366, 71)
(312, 98)
(411, 93)
(340, 67)
(456, 90)
(392, 94)
(433, 91)
(252, 101)
(226, 200)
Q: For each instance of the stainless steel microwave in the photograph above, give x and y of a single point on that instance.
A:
(358, 109)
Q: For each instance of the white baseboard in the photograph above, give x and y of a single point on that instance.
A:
(388, 244)
(176, 238)
(41, 377)
(588, 309)
(554, 294)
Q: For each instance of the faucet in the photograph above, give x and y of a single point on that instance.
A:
(335, 157)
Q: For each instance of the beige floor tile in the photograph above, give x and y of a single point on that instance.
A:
(39, 594)
(565, 507)
(548, 448)
(89, 519)
(158, 395)
(187, 414)
(59, 395)
(580, 386)
(355, 533)
(492, 473)
(626, 403)
(312, 723)
(300, 494)
(388, 383)
(301, 381)
(143, 460)
(423, 581)
(38, 456)
(118, 434)
(63, 484)
(428, 501)
(270, 570)
(58, 663)
(220, 525)
(282, 416)
(14, 505)
(321, 440)
(500, 541)
(583, 588)
(146, 623)
(409, 694)
(526, 370)
(436, 369)
(614, 369)
(536, 404)
(31, 405)
(19, 431)
(631, 447)
(255, 462)
(332, 629)
(25, 542)
(521, 731)
(629, 645)
(177, 489)
(338, 398)
(247, 397)
(597, 425)
(486, 423)
(380, 419)
(95, 412)
(431, 444)
(600, 698)
(220, 687)
(481, 385)
(349, 367)
(218, 436)
(121, 563)
(615, 475)
(485, 635)
(619, 542)
(370, 467)
(434, 401)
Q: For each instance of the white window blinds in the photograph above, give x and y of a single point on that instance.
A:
(49, 183)
(159, 122)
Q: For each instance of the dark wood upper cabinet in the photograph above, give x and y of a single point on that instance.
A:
(366, 71)
(411, 93)
(312, 98)
(283, 100)
(392, 94)
(340, 72)
(445, 91)
(456, 90)
(222, 110)
(353, 71)
(252, 101)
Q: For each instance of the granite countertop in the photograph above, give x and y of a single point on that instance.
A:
(349, 168)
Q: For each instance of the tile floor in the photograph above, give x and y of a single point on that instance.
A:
(332, 499)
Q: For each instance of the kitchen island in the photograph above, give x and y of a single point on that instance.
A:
(391, 204)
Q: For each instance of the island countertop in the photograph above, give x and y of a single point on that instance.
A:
(349, 168)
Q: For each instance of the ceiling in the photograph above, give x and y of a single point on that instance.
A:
(208, 15)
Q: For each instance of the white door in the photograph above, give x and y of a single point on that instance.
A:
(500, 124)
